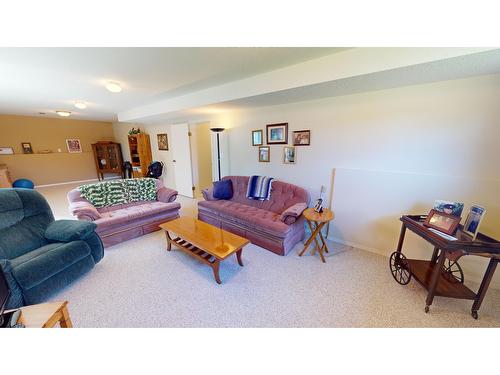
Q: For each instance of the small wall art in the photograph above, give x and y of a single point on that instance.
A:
(162, 142)
(277, 133)
(264, 154)
(74, 145)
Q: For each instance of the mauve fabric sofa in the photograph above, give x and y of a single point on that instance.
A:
(40, 255)
(123, 222)
(276, 225)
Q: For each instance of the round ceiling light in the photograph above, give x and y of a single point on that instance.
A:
(63, 113)
(80, 104)
(113, 87)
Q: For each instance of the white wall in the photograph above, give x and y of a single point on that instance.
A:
(395, 152)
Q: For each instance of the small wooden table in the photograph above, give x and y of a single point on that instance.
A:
(316, 221)
(203, 241)
(442, 275)
(45, 315)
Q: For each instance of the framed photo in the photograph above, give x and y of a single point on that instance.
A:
(474, 218)
(264, 154)
(6, 151)
(441, 221)
(277, 134)
(449, 207)
(289, 155)
(162, 142)
(27, 149)
(302, 138)
(257, 138)
(73, 145)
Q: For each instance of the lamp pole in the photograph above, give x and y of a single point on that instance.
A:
(217, 131)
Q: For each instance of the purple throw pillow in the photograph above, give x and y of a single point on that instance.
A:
(223, 189)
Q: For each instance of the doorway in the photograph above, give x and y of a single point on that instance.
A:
(201, 156)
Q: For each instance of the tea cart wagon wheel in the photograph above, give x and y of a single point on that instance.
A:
(453, 269)
(400, 268)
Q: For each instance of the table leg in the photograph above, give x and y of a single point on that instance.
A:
(169, 241)
(435, 254)
(313, 227)
(401, 238)
(323, 241)
(308, 242)
(65, 321)
(238, 257)
(488, 275)
(435, 280)
(215, 268)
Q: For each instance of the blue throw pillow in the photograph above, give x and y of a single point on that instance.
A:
(223, 189)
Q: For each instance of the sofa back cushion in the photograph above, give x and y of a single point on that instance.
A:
(118, 192)
(283, 195)
(24, 216)
(75, 196)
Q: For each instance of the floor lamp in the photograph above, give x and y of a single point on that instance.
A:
(217, 131)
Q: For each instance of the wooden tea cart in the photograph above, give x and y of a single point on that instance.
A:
(442, 274)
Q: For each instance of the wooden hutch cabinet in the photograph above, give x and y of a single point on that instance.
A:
(140, 153)
(108, 158)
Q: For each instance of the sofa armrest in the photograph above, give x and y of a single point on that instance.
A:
(167, 195)
(208, 194)
(292, 213)
(84, 211)
(16, 294)
(69, 230)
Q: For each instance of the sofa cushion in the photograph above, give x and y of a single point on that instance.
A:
(248, 216)
(38, 265)
(223, 189)
(135, 212)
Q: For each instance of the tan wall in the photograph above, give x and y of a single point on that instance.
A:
(51, 134)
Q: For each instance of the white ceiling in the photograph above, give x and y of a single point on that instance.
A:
(34, 80)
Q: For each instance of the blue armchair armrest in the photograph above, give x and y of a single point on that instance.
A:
(69, 230)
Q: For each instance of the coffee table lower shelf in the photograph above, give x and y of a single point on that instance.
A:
(200, 254)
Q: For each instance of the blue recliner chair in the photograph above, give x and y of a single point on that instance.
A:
(37, 254)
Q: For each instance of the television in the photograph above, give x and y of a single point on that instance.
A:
(4, 295)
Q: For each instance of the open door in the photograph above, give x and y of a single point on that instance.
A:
(181, 158)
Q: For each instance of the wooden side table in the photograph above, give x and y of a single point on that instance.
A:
(46, 315)
(316, 221)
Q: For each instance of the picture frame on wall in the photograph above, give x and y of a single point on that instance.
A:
(302, 138)
(74, 146)
(264, 154)
(6, 151)
(443, 222)
(473, 220)
(162, 142)
(257, 138)
(277, 134)
(27, 149)
(289, 155)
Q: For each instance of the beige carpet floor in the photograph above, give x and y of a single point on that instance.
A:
(139, 284)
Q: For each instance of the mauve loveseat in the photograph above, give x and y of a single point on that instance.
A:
(276, 224)
(122, 222)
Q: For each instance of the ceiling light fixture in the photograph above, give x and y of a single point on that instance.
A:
(63, 113)
(113, 87)
(80, 104)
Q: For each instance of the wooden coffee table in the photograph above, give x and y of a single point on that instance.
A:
(204, 241)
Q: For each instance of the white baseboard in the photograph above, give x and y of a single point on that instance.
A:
(67, 183)
(359, 246)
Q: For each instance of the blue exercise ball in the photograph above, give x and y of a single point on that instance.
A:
(23, 183)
